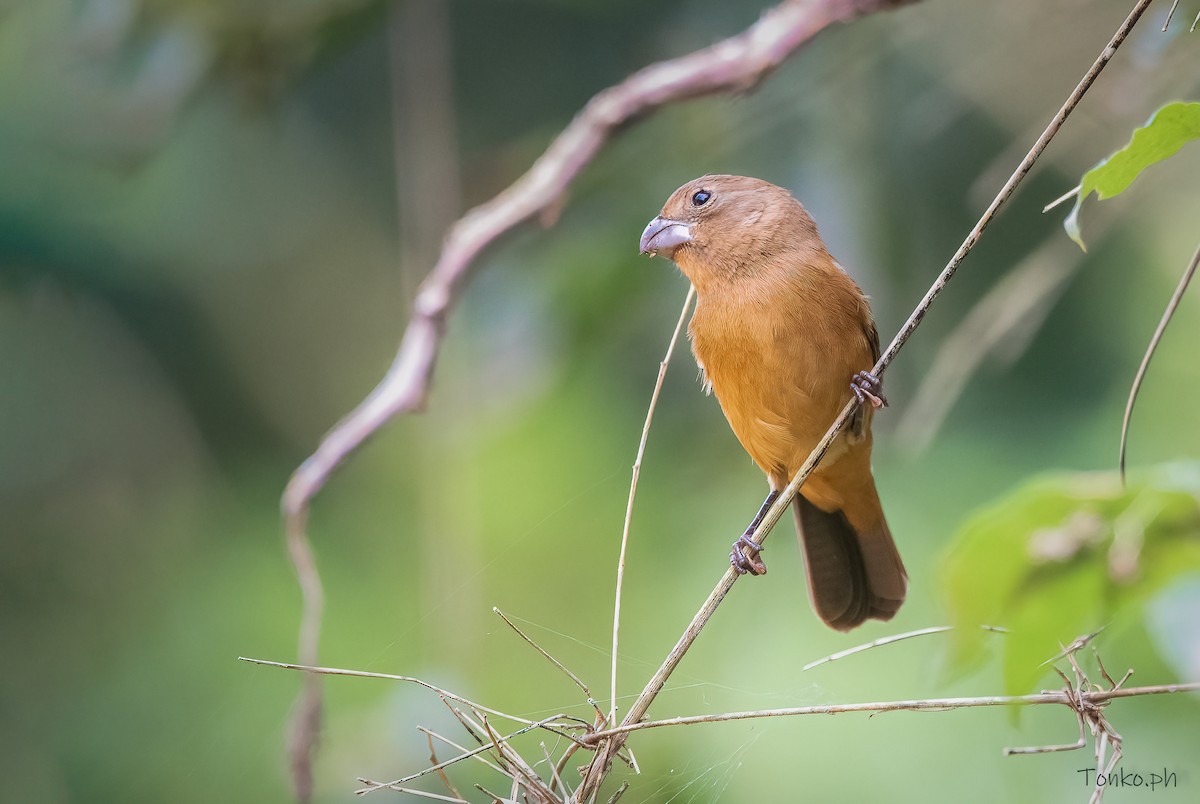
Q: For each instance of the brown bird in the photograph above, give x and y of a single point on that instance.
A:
(783, 335)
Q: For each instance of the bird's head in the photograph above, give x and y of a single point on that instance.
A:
(721, 226)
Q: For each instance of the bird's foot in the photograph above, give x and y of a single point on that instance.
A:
(866, 387)
(746, 556)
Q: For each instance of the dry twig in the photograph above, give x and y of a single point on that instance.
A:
(433, 760)
(444, 694)
(633, 483)
(425, 794)
(1064, 698)
(434, 735)
(888, 640)
(566, 671)
(494, 744)
(842, 654)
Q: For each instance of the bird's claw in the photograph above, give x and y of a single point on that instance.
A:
(746, 556)
(866, 386)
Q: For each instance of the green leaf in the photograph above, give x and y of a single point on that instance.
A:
(1063, 556)
(1168, 130)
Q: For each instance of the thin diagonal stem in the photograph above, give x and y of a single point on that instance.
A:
(633, 483)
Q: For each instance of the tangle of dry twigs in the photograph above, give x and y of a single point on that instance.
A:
(1086, 700)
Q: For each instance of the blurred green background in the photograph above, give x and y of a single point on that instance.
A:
(212, 215)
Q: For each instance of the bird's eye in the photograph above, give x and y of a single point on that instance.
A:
(701, 198)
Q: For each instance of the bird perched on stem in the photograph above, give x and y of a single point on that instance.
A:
(783, 336)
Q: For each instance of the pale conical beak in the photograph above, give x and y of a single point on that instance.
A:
(663, 235)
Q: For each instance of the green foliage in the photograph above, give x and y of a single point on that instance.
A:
(1065, 555)
(1168, 130)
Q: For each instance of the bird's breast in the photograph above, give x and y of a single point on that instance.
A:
(777, 386)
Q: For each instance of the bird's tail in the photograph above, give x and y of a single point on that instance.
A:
(854, 573)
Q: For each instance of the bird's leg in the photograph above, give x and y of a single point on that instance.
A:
(866, 387)
(745, 553)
